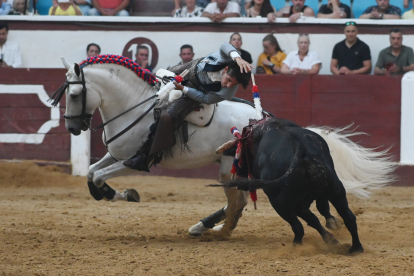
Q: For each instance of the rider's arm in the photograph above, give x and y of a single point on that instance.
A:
(206, 98)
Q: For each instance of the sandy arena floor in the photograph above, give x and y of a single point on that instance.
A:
(50, 225)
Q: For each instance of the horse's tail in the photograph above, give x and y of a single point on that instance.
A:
(254, 184)
(360, 169)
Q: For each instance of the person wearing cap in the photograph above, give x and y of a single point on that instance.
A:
(65, 7)
(351, 56)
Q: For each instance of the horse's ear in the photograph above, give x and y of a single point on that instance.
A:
(77, 69)
(65, 63)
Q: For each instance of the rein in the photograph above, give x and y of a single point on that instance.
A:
(87, 118)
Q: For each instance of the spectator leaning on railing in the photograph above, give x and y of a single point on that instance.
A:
(220, 10)
(18, 7)
(65, 7)
(9, 51)
(5, 7)
(351, 56)
(189, 10)
(109, 8)
(271, 60)
(294, 12)
(395, 59)
(303, 61)
(383, 10)
(334, 9)
(408, 14)
(260, 8)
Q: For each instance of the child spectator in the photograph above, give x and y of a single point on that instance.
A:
(236, 41)
(65, 7)
(260, 8)
(302, 61)
(271, 60)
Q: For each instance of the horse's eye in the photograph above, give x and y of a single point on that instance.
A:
(73, 96)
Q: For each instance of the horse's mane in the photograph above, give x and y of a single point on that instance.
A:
(144, 74)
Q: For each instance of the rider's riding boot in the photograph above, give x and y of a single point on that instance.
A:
(138, 162)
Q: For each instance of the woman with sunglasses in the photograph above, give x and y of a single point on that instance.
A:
(302, 61)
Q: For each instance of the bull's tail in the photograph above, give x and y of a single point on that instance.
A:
(254, 184)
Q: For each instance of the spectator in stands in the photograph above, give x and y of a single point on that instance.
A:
(5, 7)
(334, 9)
(186, 54)
(383, 10)
(65, 7)
(220, 10)
(294, 12)
(271, 60)
(93, 49)
(109, 8)
(204, 3)
(189, 10)
(9, 51)
(351, 56)
(395, 59)
(303, 61)
(260, 8)
(18, 7)
(408, 14)
(84, 6)
(406, 4)
(142, 57)
(236, 41)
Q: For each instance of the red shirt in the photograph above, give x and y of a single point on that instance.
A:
(109, 4)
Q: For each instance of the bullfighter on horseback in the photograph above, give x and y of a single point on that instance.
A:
(211, 79)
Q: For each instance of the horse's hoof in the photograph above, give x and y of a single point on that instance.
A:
(333, 223)
(132, 195)
(197, 229)
(218, 227)
(356, 249)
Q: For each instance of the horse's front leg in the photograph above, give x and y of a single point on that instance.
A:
(236, 201)
(104, 191)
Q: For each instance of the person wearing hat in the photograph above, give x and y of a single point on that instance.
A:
(65, 7)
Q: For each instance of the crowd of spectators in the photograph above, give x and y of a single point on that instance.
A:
(217, 10)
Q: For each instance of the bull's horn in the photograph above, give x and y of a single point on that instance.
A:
(65, 63)
(226, 146)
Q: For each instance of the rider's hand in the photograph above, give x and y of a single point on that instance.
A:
(178, 86)
(244, 65)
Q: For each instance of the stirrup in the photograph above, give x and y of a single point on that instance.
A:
(137, 162)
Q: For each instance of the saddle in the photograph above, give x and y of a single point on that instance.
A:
(200, 116)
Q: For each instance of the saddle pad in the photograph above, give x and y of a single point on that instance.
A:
(200, 117)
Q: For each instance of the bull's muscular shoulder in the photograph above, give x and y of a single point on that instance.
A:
(285, 123)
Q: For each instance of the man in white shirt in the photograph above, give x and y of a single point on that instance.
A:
(9, 51)
(220, 10)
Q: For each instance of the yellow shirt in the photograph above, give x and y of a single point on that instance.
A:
(276, 60)
(59, 11)
(408, 15)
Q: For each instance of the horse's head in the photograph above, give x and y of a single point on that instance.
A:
(81, 100)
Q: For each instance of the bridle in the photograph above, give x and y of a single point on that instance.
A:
(87, 118)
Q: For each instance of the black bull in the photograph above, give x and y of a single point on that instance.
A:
(294, 167)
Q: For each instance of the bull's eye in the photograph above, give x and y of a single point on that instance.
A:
(73, 96)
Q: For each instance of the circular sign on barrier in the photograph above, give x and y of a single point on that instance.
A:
(130, 49)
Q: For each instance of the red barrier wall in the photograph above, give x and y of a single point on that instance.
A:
(372, 103)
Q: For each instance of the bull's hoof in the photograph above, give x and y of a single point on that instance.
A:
(333, 223)
(297, 242)
(132, 195)
(218, 227)
(197, 229)
(356, 249)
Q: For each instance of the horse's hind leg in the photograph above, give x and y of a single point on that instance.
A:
(331, 222)
(105, 191)
(310, 218)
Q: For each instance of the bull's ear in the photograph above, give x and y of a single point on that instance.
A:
(77, 69)
(65, 63)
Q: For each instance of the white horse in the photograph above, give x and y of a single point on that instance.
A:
(114, 88)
